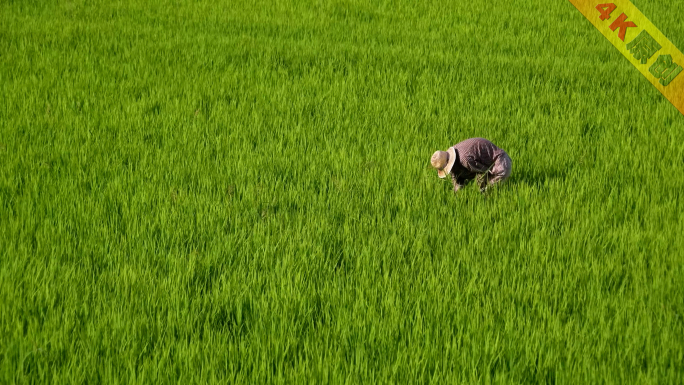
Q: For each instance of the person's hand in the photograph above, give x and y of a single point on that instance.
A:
(482, 181)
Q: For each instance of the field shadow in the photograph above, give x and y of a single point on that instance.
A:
(537, 178)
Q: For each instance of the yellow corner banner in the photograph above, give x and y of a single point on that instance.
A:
(641, 43)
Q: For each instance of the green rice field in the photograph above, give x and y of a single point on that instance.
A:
(240, 192)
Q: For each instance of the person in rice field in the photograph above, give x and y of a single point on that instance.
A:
(475, 158)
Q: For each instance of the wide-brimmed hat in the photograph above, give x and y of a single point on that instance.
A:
(443, 161)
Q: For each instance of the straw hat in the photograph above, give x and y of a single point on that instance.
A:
(443, 161)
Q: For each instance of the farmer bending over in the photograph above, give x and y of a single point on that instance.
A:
(473, 158)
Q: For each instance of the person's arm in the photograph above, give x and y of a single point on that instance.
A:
(461, 180)
(475, 166)
(458, 184)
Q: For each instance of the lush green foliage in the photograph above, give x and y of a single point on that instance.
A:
(198, 191)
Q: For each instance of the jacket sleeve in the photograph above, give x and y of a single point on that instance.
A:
(476, 166)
